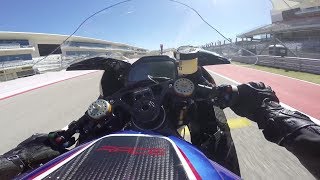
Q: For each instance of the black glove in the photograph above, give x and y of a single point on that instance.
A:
(278, 123)
(250, 97)
(29, 154)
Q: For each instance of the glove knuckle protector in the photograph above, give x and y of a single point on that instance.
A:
(250, 98)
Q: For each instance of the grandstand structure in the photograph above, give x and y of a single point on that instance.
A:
(25, 54)
(26, 46)
(295, 25)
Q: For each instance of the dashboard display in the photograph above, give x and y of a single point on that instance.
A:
(153, 68)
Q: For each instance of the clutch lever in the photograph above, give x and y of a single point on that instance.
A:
(64, 138)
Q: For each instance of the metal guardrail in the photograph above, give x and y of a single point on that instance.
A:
(289, 63)
(16, 72)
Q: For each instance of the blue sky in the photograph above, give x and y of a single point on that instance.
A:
(144, 23)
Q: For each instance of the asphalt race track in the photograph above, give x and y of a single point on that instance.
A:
(53, 107)
(301, 95)
(48, 108)
(258, 158)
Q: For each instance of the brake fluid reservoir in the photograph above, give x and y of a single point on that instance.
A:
(188, 66)
(188, 60)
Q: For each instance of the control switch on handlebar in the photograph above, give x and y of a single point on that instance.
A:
(61, 139)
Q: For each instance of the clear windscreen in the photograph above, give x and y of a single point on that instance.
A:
(244, 32)
(128, 30)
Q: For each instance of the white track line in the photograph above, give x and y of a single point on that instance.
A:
(282, 104)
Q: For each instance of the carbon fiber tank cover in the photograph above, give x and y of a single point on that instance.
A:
(124, 157)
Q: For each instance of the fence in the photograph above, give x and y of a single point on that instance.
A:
(289, 63)
(304, 47)
(303, 51)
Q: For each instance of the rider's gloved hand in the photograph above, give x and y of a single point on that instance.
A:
(29, 154)
(248, 98)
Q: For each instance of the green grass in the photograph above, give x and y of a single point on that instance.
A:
(294, 74)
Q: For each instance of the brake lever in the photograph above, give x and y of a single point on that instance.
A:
(222, 96)
(227, 95)
(205, 93)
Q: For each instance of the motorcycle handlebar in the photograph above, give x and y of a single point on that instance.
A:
(63, 139)
(222, 96)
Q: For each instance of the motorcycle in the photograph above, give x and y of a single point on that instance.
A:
(132, 131)
(149, 122)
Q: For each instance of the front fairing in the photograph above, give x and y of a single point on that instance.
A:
(114, 75)
(133, 155)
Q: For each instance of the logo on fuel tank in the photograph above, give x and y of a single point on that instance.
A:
(133, 150)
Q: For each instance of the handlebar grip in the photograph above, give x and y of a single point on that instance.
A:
(63, 138)
(206, 91)
(227, 95)
(222, 96)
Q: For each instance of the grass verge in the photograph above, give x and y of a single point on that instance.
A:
(294, 74)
